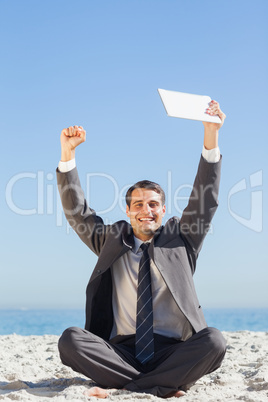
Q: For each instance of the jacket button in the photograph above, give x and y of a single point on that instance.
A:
(98, 271)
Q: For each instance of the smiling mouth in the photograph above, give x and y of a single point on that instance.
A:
(146, 219)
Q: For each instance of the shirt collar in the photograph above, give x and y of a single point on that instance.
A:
(138, 243)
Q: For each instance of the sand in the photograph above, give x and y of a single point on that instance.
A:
(30, 370)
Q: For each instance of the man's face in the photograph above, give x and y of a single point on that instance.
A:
(146, 212)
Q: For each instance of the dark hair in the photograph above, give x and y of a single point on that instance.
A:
(150, 185)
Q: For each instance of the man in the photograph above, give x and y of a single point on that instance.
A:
(145, 330)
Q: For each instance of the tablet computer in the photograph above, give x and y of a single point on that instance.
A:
(187, 106)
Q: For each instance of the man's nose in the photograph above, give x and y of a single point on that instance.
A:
(146, 209)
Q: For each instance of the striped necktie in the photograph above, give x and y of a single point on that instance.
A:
(144, 318)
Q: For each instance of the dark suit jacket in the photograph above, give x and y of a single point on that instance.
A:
(174, 249)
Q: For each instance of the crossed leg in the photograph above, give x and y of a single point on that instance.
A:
(114, 365)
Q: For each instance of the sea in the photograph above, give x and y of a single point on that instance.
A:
(54, 322)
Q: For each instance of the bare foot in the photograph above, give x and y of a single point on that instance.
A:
(176, 394)
(98, 392)
(179, 393)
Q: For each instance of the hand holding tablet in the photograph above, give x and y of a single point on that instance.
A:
(187, 106)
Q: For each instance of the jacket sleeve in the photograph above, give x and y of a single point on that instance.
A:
(202, 205)
(89, 227)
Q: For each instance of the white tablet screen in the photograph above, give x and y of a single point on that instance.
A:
(187, 106)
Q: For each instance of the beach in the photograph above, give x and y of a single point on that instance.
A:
(31, 370)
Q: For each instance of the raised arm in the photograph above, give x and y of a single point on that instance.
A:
(203, 201)
(89, 227)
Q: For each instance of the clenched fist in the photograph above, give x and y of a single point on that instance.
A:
(70, 138)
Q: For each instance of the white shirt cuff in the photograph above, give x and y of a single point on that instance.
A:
(65, 167)
(211, 155)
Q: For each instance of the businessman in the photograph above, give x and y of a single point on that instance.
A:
(145, 330)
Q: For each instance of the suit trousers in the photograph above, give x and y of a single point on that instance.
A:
(176, 365)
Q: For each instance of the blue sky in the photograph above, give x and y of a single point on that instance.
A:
(99, 64)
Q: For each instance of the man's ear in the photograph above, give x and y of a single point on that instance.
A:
(164, 210)
(127, 210)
